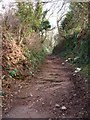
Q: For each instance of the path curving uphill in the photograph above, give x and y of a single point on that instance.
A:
(54, 92)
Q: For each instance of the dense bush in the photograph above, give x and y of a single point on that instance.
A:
(35, 57)
(78, 52)
(71, 47)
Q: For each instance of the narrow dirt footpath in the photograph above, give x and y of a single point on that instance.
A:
(55, 92)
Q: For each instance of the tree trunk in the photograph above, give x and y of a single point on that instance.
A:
(89, 14)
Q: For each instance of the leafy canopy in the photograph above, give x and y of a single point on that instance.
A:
(33, 16)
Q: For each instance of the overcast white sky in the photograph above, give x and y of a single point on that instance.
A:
(54, 8)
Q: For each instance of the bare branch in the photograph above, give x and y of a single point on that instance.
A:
(61, 7)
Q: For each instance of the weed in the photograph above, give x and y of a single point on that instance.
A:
(13, 73)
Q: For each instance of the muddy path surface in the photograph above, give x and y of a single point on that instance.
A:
(54, 92)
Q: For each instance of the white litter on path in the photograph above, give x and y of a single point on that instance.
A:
(77, 70)
(63, 108)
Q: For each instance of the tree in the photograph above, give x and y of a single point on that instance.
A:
(32, 18)
(88, 13)
(76, 18)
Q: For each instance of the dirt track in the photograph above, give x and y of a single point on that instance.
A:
(55, 92)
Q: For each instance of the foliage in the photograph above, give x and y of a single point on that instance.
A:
(25, 12)
(68, 21)
(13, 73)
(76, 18)
(77, 35)
(71, 46)
(44, 25)
(32, 18)
(35, 57)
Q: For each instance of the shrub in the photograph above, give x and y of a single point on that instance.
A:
(35, 57)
